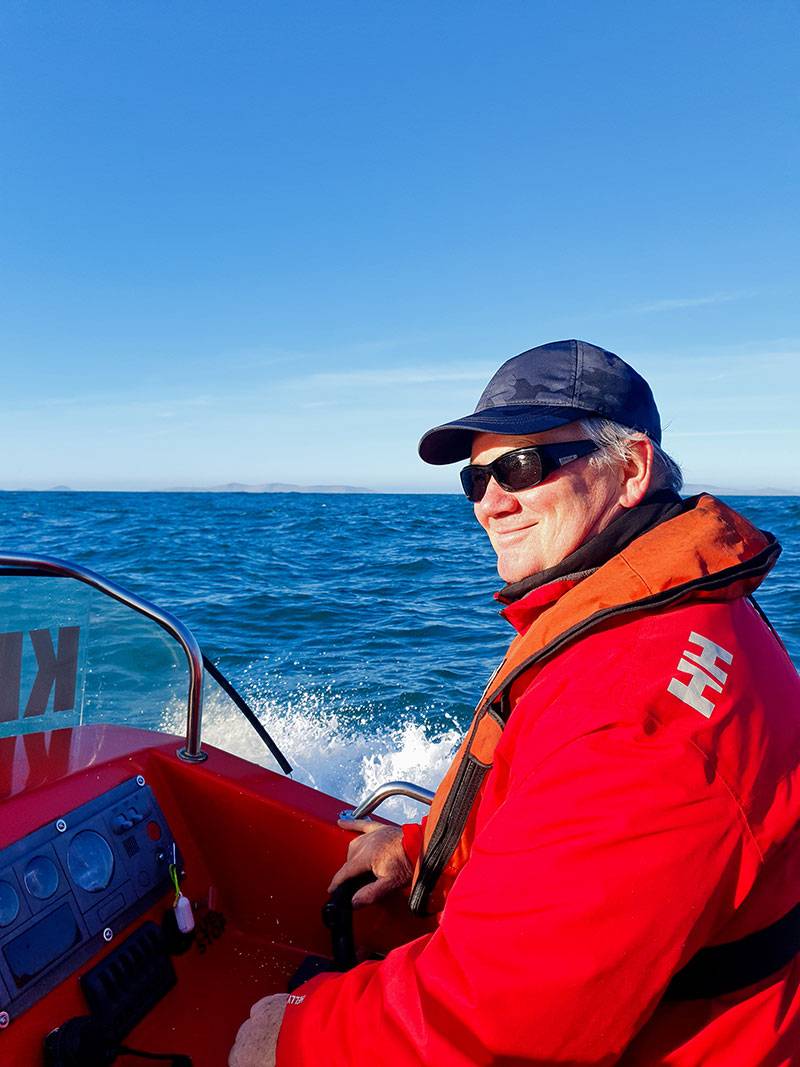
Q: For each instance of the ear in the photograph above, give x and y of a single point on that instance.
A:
(637, 474)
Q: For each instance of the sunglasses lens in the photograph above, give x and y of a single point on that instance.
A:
(518, 470)
(474, 481)
(522, 468)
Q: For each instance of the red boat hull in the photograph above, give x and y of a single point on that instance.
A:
(258, 849)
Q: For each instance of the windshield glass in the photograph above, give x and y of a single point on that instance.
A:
(70, 654)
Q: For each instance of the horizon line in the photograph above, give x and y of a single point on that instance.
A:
(689, 489)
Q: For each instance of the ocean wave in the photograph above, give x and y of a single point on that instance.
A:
(346, 756)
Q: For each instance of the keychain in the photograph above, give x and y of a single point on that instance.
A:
(184, 917)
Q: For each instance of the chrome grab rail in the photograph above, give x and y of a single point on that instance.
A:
(383, 792)
(57, 568)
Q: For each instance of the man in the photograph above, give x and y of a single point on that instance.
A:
(627, 798)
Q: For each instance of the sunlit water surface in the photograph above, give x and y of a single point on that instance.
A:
(361, 628)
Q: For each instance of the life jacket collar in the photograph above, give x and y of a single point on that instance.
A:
(523, 613)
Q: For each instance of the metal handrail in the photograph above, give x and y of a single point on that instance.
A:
(192, 751)
(383, 792)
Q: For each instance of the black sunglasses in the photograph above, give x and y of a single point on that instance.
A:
(522, 468)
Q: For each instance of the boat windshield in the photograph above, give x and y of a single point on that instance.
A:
(70, 655)
(77, 650)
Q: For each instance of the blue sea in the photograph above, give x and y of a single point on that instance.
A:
(361, 627)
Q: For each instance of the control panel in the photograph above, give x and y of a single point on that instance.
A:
(74, 884)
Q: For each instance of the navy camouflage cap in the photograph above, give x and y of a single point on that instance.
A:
(546, 387)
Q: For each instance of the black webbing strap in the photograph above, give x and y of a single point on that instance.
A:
(720, 969)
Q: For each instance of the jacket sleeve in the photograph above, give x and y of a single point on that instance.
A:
(604, 870)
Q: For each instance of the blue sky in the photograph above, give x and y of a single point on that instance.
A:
(277, 241)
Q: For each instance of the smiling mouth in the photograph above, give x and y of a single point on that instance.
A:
(516, 530)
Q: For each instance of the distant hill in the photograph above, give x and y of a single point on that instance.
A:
(269, 487)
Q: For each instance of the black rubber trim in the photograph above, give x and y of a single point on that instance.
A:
(456, 809)
(248, 713)
(470, 776)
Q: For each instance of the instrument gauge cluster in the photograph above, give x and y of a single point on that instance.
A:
(71, 886)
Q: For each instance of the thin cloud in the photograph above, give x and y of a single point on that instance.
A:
(396, 376)
(108, 403)
(678, 303)
(341, 352)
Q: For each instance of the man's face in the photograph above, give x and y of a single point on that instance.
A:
(536, 528)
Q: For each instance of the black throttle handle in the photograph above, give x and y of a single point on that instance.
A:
(337, 915)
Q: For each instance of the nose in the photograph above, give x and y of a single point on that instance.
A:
(496, 501)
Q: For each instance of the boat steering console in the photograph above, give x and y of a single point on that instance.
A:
(65, 890)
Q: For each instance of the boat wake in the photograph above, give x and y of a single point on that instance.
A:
(328, 750)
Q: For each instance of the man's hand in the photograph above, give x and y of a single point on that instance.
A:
(258, 1037)
(380, 850)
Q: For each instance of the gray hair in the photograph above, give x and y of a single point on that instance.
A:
(615, 441)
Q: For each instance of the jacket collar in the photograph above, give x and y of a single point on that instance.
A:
(524, 612)
(708, 551)
(659, 506)
(526, 599)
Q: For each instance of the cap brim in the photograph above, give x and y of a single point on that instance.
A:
(452, 441)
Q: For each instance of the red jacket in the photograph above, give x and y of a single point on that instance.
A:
(644, 802)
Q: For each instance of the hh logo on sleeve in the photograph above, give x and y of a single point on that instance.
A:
(704, 673)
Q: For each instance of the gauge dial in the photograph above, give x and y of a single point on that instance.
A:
(90, 861)
(41, 877)
(9, 904)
